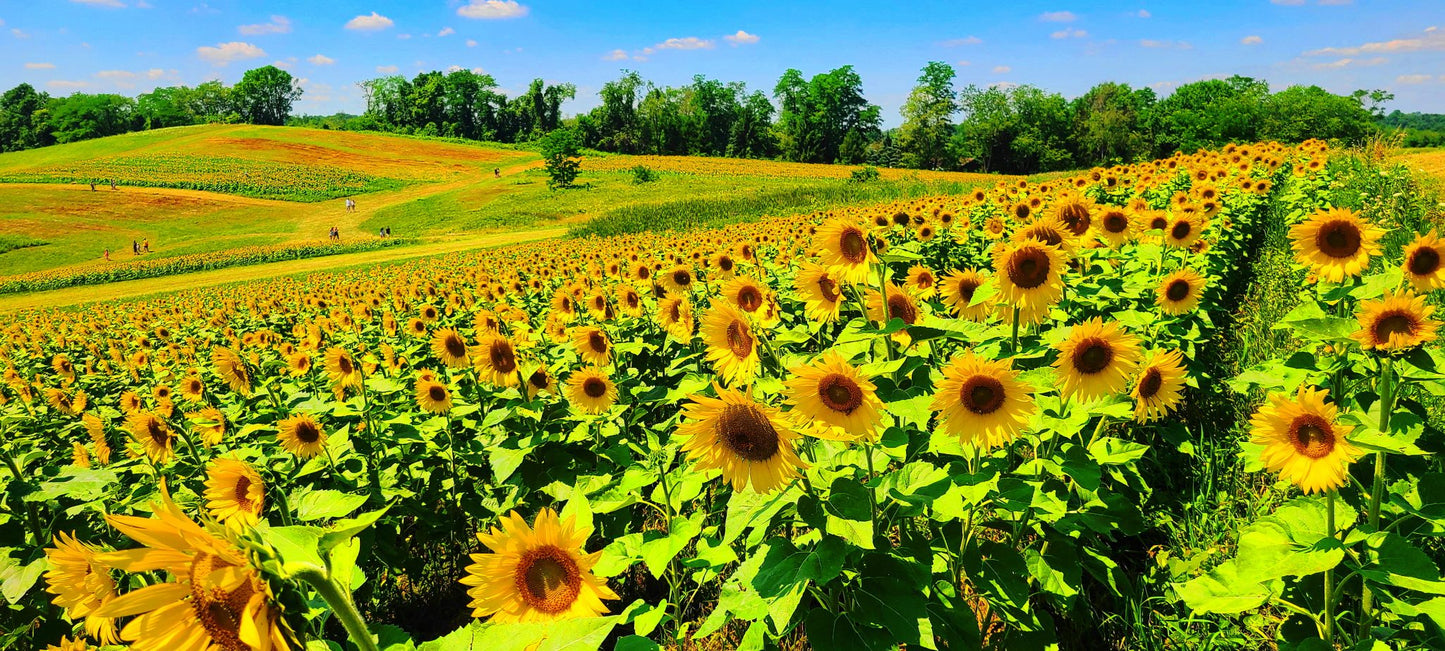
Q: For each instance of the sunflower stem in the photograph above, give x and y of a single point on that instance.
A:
(1014, 348)
(340, 602)
(872, 499)
(1330, 573)
(1386, 398)
(31, 516)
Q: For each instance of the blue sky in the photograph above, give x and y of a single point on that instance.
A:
(130, 46)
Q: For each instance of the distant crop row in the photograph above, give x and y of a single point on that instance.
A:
(155, 267)
(225, 174)
(755, 168)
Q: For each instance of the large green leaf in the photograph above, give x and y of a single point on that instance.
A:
(1222, 591)
(325, 503)
(785, 565)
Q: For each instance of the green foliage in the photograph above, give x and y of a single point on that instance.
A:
(643, 174)
(265, 95)
(561, 150)
(927, 118)
(865, 174)
(825, 119)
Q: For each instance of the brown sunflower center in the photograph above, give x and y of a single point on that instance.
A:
(437, 393)
(1338, 239)
(1150, 384)
(748, 433)
(1181, 229)
(674, 311)
(1115, 222)
(1312, 436)
(218, 610)
(429, 313)
(725, 263)
(158, 432)
(966, 288)
(1424, 261)
(1158, 223)
(1075, 217)
(899, 307)
(538, 379)
(1177, 290)
(924, 280)
(633, 300)
(852, 245)
(548, 579)
(1028, 268)
(840, 393)
(343, 364)
(242, 493)
(1394, 322)
(829, 289)
(739, 339)
(901, 218)
(682, 278)
(1022, 211)
(1092, 355)
(594, 387)
(749, 298)
(597, 342)
(982, 394)
(454, 345)
(307, 432)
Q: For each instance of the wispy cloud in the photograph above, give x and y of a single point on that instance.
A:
(1170, 45)
(741, 38)
(1251, 40)
(372, 23)
(39, 66)
(387, 70)
(446, 31)
(223, 54)
(1415, 79)
(471, 43)
(320, 60)
(1143, 13)
(278, 25)
(1058, 17)
(1349, 62)
(1002, 70)
(113, 4)
(1069, 33)
(66, 84)
(959, 42)
(615, 55)
(492, 9)
(685, 43)
(1432, 40)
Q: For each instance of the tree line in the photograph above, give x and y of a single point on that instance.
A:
(825, 118)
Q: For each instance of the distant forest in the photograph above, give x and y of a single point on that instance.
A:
(824, 118)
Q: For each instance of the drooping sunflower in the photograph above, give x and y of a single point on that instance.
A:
(590, 391)
(209, 423)
(1029, 277)
(232, 369)
(843, 248)
(342, 369)
(1302, 442)
(1423, 262)
(592, 345)
(447, 345)
(235, 493)
(732, 347)
(540, 380)
(958, 289)
(1160, 385)
(675, 315)
(820, 291)
(1335, 243)
(153, 434)
(496, 360)
(1179, 292)
(1096, 359)
(982, 401)
(1399, 321)
(749, 442)
(433, 396)
(535, 574)
(81, 585)
(832, 391)
(301, 435)
(95, 427)
(921, 282)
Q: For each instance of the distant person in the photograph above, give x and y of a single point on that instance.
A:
(147, 245)
(388, 231)
(497, 172)
(134, 247)
(112, 185)
(107, 252)
(92, 186)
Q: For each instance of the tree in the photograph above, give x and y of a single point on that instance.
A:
(209, 102)
(83, 116)
(615, 121)
(1018, 130)
(1208, 114)
(928, 118)
(561, 149)
(1109, 124)
(23, 115)
(817, 115)
(1299, 113)
(163, 107)
(265, 95)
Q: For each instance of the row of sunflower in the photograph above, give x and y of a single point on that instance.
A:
(924, 423)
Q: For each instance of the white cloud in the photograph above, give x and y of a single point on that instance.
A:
(1349, 62)
(387, 70)
(446, 31)
(471, 43)
(967, 40)
(1069, 33)
(39, 66)
(492, 9)
(1002, 70)
(687, 43)
(1251, 40)
(961, 64)
(741, 38)
(1151, 43)
(1290, 3)
(372, 23)
(1433, 40)
(65, 84)
(1058, 17)
(615, 55)
(1144, 13)
(403, 36)
(1413, 79)
(19, 33)
(113, 4)
(1003, 85)
(1336, 3)
(278, 25)
(157, 73)
(224, 53)
(320, 60)
(116, 74)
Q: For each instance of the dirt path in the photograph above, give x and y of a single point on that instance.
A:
(165, 284)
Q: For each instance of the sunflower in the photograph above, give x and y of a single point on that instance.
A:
(67, 644)
(678, 280)
(1049, 232)
(298, 363)
(1399, 321)
(433, 396)
(63, 366)
(1029, 277)
(448, 346)
(982, 401)
(958, 289)
(1115, 226)
(629, 301)
(342, 369)
(1183, 229)
(1179, 292)
(301, 435)
(1335, 243)
(235, 493)
(1423, 262)
(81, 585)
(994, 228)
(64, 403)
(214, 600)
(592, 345)
(232, 369)
(192, 389)
(79, 456)
(536, 574)
(209, 423)
(1302, 442)
(1073, 212)
(675, 315)
(590, 390)
(496, 360)
(748, 441)
(1159, 387)
(921, 282)
(540, 380)
(830, 390)
(731, 345)
(153, 434)
(843, 247)
(95, 427)
(820, 291)
(1095, 359)
(899, 305)
(746, 294)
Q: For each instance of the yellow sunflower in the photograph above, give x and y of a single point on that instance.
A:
(535, 574)
(1029, 277)
(820, 291)
(1335, 243)
(235, 493)
(900, 305)
(982, 401)
(749, 442)
(590, 390)
(921, 282)
(832, 391)
(81, 585)
(1179, 292)
(843, 248)
(192, 389)
(1399, 321)
(540, 380)
(1159, 387)
(496, 360)
(675, 315)
(232, 369)
(448, 346)
(1302, 442)
(746, 294)
(342, 369)
(732, 347)
(209, 423)
(433, 396)
(1115, 226)
(1096, 359)
(958, 289)
(153, 434)
(592, 345)
(678, 280)
(301, 435)
(1423, 262)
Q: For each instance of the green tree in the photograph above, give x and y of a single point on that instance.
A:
(1109, 124)
(560, 149)
(265, 95)
(209, 102)
(928, 118)
(1299, 113)
(1208, 114)
(818, 114)
(23, 116)
(83, 116)
(163, 107)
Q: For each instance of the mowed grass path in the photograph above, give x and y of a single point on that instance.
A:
(1429, 161)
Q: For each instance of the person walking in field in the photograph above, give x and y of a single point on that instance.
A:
(134, 247)
(146, 246)
(107, 254)
(92, 186)
(112, 185)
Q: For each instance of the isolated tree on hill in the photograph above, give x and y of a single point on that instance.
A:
(265, 95)
(560, 149)
(928, 117)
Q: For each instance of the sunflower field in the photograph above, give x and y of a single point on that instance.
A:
(954, 422)
(224, 174)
